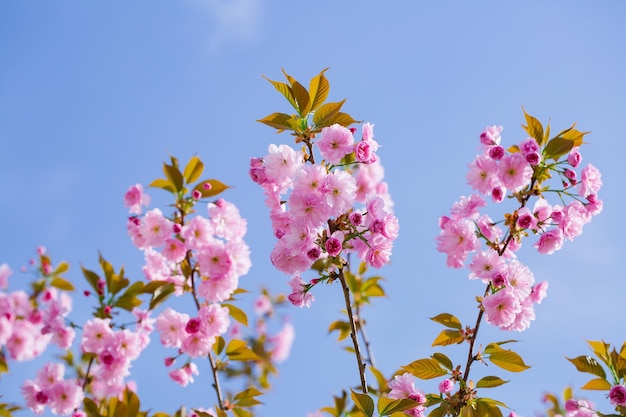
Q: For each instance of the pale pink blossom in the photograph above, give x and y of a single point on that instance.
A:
(539, 292)
(215, 319)
(135, 198)
(491, 135)
(484, 264)
(550, 241)
(456, 240)
(198, 232)
(336, 142)
(339, 189)
(174, 250)
(501, 308)
(446, 385)
(574, 157)
(226, 220)
(482, 174)
(282, 164)
(281, 343)
(262, 305)
(214, 260)
(299, 296)
(514, 172)
(379, 251)
(308, 209)
(171, 325)
(590, 181)
(5, 273)
(155, 228)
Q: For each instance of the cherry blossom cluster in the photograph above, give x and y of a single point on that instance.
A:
(213, 249)
(28, 325)
(328, 209)
(50, 388)
(521, 172)
(113, 351)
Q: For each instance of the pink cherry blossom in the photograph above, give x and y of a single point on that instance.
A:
(514, 172)
(155, 228)
(336, 142)
(617, 395)
(491, 135)
(482, 174)
(135, 198)
(590, 181)
(501, 308)
(226, 220)
(5, 273)
(550, 241)
(299, 297)
(281, 343)
(457, 240)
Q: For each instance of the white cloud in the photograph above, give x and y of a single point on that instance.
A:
(235, 20)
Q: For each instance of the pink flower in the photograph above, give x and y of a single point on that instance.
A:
(226, 220)
(214, 260)
(339, 192)
(155, 228)
(590, 181)
(514, 172)
(574, 157)
(214, 318)
(446, 386)
(456, 240)
(501, 308)
(65, 396)
(299, 296)
(135, 198)
(281, 343)
(171, 324)
(333, 244)
(482, 174)
(262, 305)
(335, 143)
(550, 242)
(308, 209)
(485, 264)
(491, 135)
(5, 273)
(282, 164)
(97, 334)
(197, 233)
(174, 250)
(617, 395)
(539, 292)
(526, 219)
(379, 251)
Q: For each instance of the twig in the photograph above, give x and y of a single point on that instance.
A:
(353, 332)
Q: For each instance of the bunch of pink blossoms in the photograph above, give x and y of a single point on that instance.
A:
(113, 351)
(215, 255)
(28, 326)
(50, 388)
(326, 210)
(520, 171)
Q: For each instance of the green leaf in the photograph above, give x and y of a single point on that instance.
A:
(342, 327)
(91, 277)
(443, 359)
(558, 147)
(447, 320)
(174, 176)
(599, 384)
(380, 378)
(132, 402)
(237, 314)
(61, 268)
(490, 382)
(363, 403)
(343, 119)
(448, 337)
(219, 344)
(508, 360)
(62, 284)
(163, 184)
(237, 350)
(319, 87)
(387, 406)
(193, 170)
(280, 121)
(325, 114)
(439, 411)
(161, 294)
(241, 412)
(588, 364)
(213, 188)
(425, 369)
(285, 90)
(533, 127)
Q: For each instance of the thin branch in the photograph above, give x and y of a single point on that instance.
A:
(364, 337)
(353, 331)
(216, 382)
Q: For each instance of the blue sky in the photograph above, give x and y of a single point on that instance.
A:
(94, 95)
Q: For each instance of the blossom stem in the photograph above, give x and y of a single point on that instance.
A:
(216, 381)
(366, 341)
(353, 331)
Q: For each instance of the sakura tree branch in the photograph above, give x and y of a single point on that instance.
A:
(364, 337)
(353, 331)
